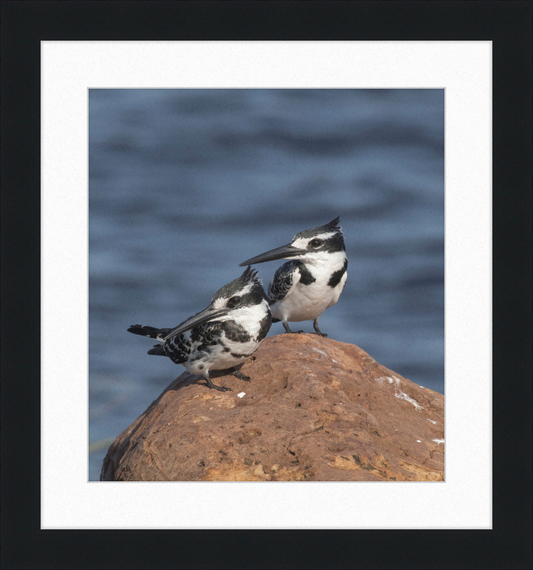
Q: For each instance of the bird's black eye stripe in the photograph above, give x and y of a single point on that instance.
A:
(316, 242)
(234, 301)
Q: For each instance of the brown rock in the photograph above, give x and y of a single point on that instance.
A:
(315, 409)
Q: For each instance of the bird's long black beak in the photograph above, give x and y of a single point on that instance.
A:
(200, 318)
(283, 252)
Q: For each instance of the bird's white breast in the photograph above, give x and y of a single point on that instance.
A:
(308, 302)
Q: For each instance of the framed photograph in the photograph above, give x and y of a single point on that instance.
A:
(167, 160)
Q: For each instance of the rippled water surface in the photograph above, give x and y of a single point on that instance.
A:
(186, 184)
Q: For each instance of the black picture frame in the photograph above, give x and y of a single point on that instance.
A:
(508, 25)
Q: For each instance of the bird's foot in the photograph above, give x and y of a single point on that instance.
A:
(220, 388)
(215, 387)
(240, 375)
(317, 330)
(289, 330)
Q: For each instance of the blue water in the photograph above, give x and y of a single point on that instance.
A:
(186, 184)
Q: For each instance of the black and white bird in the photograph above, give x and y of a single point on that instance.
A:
(221, 336)
(303, 288)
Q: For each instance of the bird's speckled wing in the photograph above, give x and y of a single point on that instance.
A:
(180, 347)
(284, 280)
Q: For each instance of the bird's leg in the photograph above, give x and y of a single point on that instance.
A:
(288, 329)
(318, 331)
(238, 374)
(211, 385)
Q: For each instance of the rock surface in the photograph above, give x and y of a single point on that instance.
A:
(315, 410)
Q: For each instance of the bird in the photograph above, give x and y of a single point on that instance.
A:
(304, 287)
(220, 337)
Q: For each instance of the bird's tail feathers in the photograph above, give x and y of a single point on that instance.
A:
(158, 350)
(150, 332)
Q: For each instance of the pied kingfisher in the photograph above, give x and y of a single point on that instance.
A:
(303, 289)
(221, 336)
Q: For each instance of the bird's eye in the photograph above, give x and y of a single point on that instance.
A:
(234, 301)
(316, 242)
